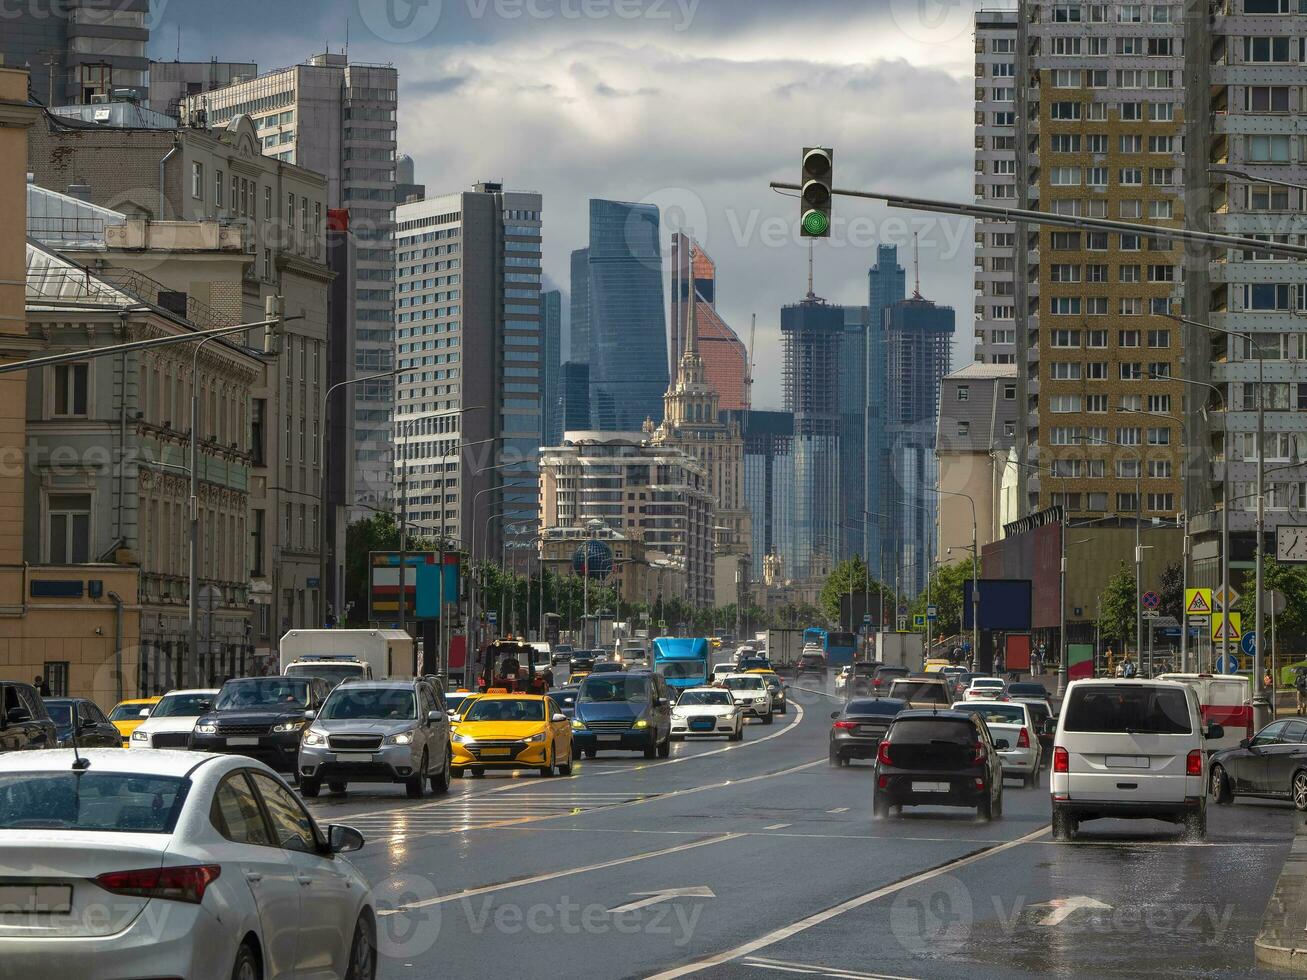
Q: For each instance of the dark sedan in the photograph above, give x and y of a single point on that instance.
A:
(94, 730)
(261, 717)
(565, 698)
(1272, 764)
(855, 732)
(939, 758)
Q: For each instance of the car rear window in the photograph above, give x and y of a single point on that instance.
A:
(874, 706)
(1027, 690)
(929, 691)
(91, 801)
(1128, 709)
(924, 731)
(997, 714)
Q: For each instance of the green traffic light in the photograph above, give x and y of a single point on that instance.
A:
(816, 223)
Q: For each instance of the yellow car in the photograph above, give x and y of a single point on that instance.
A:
(936, 664)
(126, 716)
(778, 699)
(513, 731)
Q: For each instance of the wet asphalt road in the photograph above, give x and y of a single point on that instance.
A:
(781, 871)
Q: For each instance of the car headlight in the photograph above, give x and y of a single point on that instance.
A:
(641, 723)
(314, 737)
(537, 737)
(209, 729)
(400, 738)
(140, 736)
(463, 739)
(578, 725)
(288, 726)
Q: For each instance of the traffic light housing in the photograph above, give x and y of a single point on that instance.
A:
(815, 196)
(274, 308)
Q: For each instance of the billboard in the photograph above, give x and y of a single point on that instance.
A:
(423, 582)
(1004, 604)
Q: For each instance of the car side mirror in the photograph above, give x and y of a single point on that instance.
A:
(662, 702)
(310, 715)
(558, 716)
(1001, 743)
(436, 715)
(1215, 730)
(17, 716)
(342, 839)
(1245, 742)
(87, 724)
(834, 715)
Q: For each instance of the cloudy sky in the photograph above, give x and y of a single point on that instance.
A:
(693, 105)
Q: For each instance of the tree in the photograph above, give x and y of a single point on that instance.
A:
(380, 532)
(1116, 618)
(945, 592)
(1171, 592)
(849, 576)
(1290, 625)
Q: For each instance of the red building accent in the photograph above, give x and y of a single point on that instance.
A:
(725, 358)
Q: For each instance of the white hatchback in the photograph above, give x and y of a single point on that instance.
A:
(984, 689)
(173, 864)
(168, 724)
(1010, 722)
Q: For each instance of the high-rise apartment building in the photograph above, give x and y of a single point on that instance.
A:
(551, 345)
(79, 51)
(339, 119)
(886, 285)
(996, 183)
(172, 81)
(725, 358)
(768, 488)
(1099, 133)
(628, 325)
(469, 409)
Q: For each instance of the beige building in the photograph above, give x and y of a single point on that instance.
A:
(641, 574)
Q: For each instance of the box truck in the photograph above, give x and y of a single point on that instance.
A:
(334, 655)
(901, 650)
(783, 648)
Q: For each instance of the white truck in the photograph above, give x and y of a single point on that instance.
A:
(335, 655)
(901, 650)
(783, 648)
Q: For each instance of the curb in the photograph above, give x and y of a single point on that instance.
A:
(1282, 941)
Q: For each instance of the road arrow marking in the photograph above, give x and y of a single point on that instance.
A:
(1063, 908)
(664, 895)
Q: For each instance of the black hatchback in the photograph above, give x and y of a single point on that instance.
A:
(855, 732)
(939, 758)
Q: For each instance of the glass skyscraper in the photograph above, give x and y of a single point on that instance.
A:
(578, 349)
(886, 285)
(628, 327)
(551, 415)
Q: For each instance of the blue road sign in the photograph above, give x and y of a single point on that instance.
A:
(1248, 643)
(1227, 664)
(492, 617)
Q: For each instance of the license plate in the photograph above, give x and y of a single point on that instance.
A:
(489, 752)
(702, 726)
(353, 756)
(35, 898)
(1126, 761)
(930, 787)
(242, 740)
(867, 730)
(610, 738)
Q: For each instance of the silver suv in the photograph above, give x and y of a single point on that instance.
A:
(377, 732)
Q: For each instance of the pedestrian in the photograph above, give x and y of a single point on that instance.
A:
(42, 687)
(1300, 686)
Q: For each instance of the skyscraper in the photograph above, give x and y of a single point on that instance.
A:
(886, 285)
(628, 325)
(575, 396)
(78, 50)
(725, 358)
(769, 486)
(578, 350)
(469, 412)
(854, 406)
(339, 119)
(551, 416)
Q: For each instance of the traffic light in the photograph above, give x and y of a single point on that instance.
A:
(814, 198)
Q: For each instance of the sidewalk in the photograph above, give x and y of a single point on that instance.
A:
(1282, 941)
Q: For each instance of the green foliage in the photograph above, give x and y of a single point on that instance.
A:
(1290, 625)
(946, 593)
(1116, 620)
(849, 576)
(1171, 592)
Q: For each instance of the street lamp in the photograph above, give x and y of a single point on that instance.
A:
(975, 575)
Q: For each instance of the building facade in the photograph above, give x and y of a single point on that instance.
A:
(578, 350)
(996, 184)
(338, 119)
(575, 396)
(173, 81)
(551, 349)
(724, 356)
(768, 488)
(469, 323)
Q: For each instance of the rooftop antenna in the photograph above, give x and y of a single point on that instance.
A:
(80, 762)
(811, 294)
(916, 268)
(748, 385)
(347, 39)
(179, 42)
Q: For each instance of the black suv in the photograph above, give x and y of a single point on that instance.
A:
(939, 758)
(24, 722)
(261, 717)
(94, 730)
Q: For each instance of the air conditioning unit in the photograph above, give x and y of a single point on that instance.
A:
(100, 98)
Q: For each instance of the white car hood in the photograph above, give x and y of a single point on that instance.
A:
(168, 725)
(718, 710)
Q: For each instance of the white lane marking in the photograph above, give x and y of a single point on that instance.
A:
(665, 895)
(812, 969)
(703, 755)
(785, 932)
(564, 873)
(839, 809)
(1064, 908)
(776, 826)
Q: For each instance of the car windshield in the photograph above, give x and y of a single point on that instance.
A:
(873, 706)
(613, 689)
(919, 691)
(263, 692)
(564, 697)
(61, 713)
(382, 703)
(744, 683)
(865, 670)
(997, 714)
(705, 697)
(182, 706)
(1128, 709)
(507, 709)
(680, 669)
(90, 801)
(127, 712)
(332, 674)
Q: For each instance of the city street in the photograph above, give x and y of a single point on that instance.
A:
(758, 859)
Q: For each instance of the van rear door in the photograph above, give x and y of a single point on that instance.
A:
(1130, 742)
(1226, 701)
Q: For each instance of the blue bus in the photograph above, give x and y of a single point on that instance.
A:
(815, 635)
(839, 647)
(683, 661)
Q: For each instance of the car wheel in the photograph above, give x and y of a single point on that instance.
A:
(247, 964)
(835, 760)
(665, 749)
(879, 807)
(651, 751)
(440, 781)
(565, 768)
(363, 951)
(548, 769)
(590, 753)
(985, 809)
(1064, 825)
(739, 732)
(478, 772)
(336, 787)
(1298, 791)
(310, 787)
(1221, 786)
(416, 784)
(1195, 825)
(768, 718)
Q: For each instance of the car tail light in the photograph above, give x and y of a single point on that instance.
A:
(1023, 739)
(877, 682)
(882, 782)
(1193, 763)
(846, 725)
(1061, 760)
(977, 754)
(180, 884)
(882, 753)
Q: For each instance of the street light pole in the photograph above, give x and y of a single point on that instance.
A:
(975, 575)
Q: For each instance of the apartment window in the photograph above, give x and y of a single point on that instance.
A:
(1159, 370)
(1095, 176)
(1268, 296)
(1129, 436)
(68, 528)
(1096, 435)
(1132, 111)
(1268, 149)
(1064, 176)
(1130, 78)
(1096, 370)
(1066, 46)
(1096, 241)
(1161, 176)
(197, 180)
(1066, 338)
(1095, 273)
(1159, 436)
(258, 529)
(1266, 49)
(1161, 210)
(1066, 468)
(1096, 501)
(1266, 98)
(1131, 177)
(964, 428)
(1132, 144)
(1066, 241)
(1158, 78)
(1161, 502)
(1064, 305)
(1097, 112)
(1003, 45)
(1065, 273)
(290, 212)
(1066, 206)
(235, 194)
(1129, 273)
(1068, 14)
(1066, 78)
(1096, 404)
(1096, 306)
(1064, 435)
(1132, 371)
(1130, 13)
(1065, 371)
(964, 393)
(1065, 111)
(1009, 429)
(1161, 47)
(1127, 469)
(1127, 501)
(1096, 78)
(1159, 403)
(1009, 392)
(267, 204)
(1161, 111)
(1096, 142)
(1159, 338)
(219, 185)
(1097, 47)
(1004, 118)
(1161, 273)
(1132, 306)
(1005, 69)
(1064, 404)
(1159, 469)
(1270, 197)
(1161, 144)
(71, 383)
(1130, 208)
(1097, 338)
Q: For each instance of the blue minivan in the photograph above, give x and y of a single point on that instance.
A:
(631, 711)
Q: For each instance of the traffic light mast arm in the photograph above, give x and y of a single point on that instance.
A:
(1021, 215)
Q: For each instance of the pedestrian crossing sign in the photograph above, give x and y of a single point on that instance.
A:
(1227, 626)
(1198, 602)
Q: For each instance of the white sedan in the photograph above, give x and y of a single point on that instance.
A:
(751, 693)
(707, 711)
(1010, 722)
(985, 689)
(168, 724)
(173, 864)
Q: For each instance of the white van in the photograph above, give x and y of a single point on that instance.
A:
(1225, 699)
(1130, 749)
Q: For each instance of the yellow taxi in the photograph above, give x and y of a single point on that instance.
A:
(935, 664)
(512, 731)
(777, 686)
(126, 716)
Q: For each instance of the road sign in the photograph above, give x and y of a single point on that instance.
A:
(932, 612)
(903, 624)
(1273, 602)
(1227, 626)
(1224, 598)
(1198, 602)
(1227, 664)
(903, 610)
(866, 618)
(1149, 614)
(1166, 623)
(1248, 643)
(1199, 622)
(919, 621)
(492, 617)
(1150, 600)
